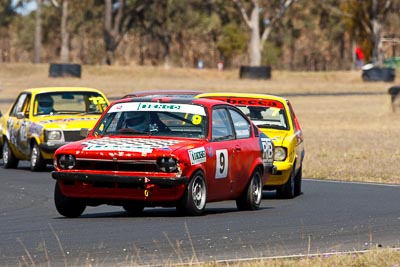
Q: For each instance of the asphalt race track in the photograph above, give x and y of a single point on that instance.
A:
(327, 217)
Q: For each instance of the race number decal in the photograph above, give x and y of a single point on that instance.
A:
(221, 167)
(196, 119)
(23, 134)
(267, 149)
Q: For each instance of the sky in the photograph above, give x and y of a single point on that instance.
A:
(27, 8)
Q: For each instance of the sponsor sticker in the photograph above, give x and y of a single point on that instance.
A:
(131, 148)
(155, 106)
(197, 155)
(246, 101)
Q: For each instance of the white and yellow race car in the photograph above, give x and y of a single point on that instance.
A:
(43, 119)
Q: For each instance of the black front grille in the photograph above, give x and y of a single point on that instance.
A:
(71, 136)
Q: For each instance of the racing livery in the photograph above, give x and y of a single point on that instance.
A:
(146, 152)
(43, 119)
(275, 117)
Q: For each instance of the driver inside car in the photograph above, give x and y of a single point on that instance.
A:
(137, 121)
(45, 104)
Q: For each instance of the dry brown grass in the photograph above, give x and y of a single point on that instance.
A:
(376, 257)
(354, 138)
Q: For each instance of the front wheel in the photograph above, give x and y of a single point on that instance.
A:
(66, 206)
(194, 200)
(297, 182)
(287, 191)
(37, 161)
(9, 160)
(252, 195)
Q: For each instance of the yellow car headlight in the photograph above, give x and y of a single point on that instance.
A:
(280, 153)
(53, 135)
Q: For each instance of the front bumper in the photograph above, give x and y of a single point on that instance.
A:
(281, 174)
(51, 148)
(112, 178)
(96, 189)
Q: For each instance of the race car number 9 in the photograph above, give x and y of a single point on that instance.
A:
(221, 166)
(196, 119)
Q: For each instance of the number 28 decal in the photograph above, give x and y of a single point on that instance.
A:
(267, 149)
(221, 166)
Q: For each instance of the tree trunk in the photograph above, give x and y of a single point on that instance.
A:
(64, 33)
(38, 32)
(255, 49)
(111, 30)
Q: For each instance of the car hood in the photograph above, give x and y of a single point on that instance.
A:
(127, 147)
(67, 121)
(277, 137)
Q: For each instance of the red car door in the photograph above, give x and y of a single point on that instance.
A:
(245, 151)
(221, 152)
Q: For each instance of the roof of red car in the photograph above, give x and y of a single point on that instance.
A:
(165, 93)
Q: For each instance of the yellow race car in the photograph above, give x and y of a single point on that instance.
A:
(43, 119)
(275, 117)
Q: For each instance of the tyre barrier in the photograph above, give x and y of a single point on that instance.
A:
(376, 74)
(65, 70)
(249, 72)
(394, 93)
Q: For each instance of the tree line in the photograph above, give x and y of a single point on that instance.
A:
(284, 34)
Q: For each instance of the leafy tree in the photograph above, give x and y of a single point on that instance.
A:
(119, 17)
(365, 20)
(270, 12)
(231, 42)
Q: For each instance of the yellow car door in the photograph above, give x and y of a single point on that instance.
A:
(17, 127)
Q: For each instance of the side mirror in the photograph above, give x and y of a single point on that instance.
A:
(84, 132)
(20, 115)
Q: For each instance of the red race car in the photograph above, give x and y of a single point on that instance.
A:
(146, 152)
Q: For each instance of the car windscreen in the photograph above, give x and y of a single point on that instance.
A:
(273, 117)
(152, 118)
(68, 103)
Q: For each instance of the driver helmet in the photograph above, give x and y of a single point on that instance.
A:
(45, 104)
(255, 112)
(137, 120)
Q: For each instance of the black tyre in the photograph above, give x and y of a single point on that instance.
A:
(66, 206)
(287, 190)
(194, 200)
(133, 208)
(297, 182)
(252, 195)
(9, 160)
(37, 161)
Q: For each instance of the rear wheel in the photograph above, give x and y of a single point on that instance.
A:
(66, 206)
(194, 200)
(252, 195)
(9, 160)
(287, 190)
(37, 161)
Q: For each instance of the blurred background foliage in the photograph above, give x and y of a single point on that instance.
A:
(308, 35)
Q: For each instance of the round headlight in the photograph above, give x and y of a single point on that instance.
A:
(53, 135)
(66, 162)
(167, 164)
(280, 154)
